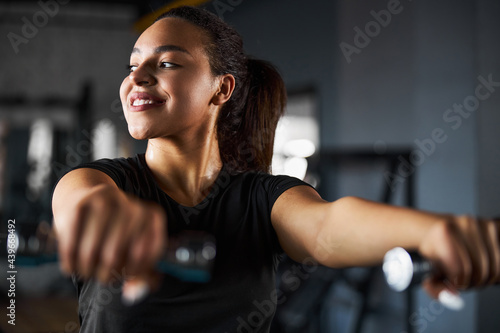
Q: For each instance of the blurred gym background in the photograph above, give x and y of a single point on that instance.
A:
(395, 101)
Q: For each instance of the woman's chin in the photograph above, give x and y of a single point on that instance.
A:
(138, 133)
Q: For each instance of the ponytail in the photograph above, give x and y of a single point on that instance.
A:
(251, 147)
(247, 121)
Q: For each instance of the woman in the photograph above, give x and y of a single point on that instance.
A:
(209, 115)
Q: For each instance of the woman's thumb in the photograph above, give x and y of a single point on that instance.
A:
(446, 295)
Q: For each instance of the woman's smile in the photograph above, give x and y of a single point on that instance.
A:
(142, 101)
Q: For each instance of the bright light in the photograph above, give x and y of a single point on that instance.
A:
(297, 137)
(296, 167)
(39, 157)
(104, 140)
(299, 148)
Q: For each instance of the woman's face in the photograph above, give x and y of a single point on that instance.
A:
(170, 87)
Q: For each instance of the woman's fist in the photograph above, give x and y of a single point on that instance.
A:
(104, 232)
(467, 251)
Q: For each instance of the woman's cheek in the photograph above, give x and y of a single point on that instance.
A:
(124, 90)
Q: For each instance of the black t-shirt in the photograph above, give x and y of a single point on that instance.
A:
(241, 295)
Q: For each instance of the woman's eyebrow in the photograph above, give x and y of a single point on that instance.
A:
(164, 48)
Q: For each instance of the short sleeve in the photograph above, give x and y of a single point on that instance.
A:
(109, 167)
(129, 174)
(276, 185)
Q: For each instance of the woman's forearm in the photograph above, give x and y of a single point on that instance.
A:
(358, 232)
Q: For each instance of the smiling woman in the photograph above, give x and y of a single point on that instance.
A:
(171, 79)
(209, 114)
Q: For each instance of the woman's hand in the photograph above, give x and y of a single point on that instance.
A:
(467, 252)
(106, 234)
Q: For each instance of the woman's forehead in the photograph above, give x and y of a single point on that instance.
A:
(172, 31)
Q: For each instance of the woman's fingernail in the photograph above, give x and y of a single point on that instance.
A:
(134, 292)
(451, 301)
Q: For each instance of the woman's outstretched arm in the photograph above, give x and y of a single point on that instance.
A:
(357, 232)
(103, 232)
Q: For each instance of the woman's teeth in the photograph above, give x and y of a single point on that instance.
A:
(138, 102)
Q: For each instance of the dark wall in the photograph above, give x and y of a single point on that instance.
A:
(399, 87)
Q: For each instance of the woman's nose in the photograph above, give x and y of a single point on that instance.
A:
(141, 76)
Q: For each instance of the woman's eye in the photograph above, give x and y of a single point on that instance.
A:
(165, 64)
(131, 68)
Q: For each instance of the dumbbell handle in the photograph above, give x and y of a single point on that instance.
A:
(189, 256)
(403, 269)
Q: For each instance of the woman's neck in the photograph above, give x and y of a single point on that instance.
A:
(184, 170)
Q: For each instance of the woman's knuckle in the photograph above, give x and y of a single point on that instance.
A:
(88, 255)
(492, 229)
(109, 257)
(484, 275)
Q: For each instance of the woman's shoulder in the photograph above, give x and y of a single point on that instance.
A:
(272, 184)
(133, 162)
(123, 170)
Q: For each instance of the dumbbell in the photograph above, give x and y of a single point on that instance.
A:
(190, 255)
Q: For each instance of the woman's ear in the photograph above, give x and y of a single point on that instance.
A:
(226, 88)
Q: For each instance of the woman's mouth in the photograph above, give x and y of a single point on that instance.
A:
(142, 101)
